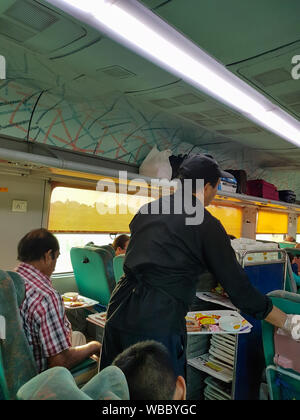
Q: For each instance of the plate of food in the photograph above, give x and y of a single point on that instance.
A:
(72, 300)
(216, 322)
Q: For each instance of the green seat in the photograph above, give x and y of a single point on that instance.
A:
(281, 382)
(4, 393)
(284, 245)
(294, 284)
(58, 384)
(17, 362)
(290, 284)
(118, 263)
(109, 248)
(93, 271)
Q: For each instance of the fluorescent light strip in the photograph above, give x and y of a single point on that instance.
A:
(132, 24)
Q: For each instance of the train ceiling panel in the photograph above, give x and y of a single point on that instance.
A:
(76, 89)
(233, 30)
(207, 114)
(114, 68)
(37, 27)
(271, 74)
(256, 40)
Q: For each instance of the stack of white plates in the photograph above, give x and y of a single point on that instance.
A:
(221, 353)
(219, 364)
(222, 349)
(216, 389)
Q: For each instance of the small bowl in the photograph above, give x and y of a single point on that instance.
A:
(72, 296)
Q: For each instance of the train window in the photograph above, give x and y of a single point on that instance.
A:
(78, 216)
(68, 240)
(270, 237)
(230, 217)
(272, 223)
(86, 211)
(275, 237)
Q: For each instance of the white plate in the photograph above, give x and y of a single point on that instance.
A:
(231, 323)
(87, 302)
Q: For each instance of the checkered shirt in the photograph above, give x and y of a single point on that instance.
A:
(46, 326)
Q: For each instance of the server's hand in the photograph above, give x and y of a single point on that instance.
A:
(292, 326)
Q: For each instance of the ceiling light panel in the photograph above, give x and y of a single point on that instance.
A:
(138, 28)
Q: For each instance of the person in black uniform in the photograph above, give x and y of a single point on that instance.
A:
(163, 262)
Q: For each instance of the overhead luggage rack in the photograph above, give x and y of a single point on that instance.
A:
(243, 199)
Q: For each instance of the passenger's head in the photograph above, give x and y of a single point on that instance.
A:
(203, 167)
(39, 248)
(297, 246)
(149, 372)
(120, 244)
(289, 238)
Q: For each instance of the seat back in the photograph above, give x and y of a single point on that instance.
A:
(282, 384)
(109, 249)
(118, 263)
(296, 253)
(284, 245)
(4, 394)
(288, 303)
(280, 350)
(93, 271)
(58, 384)
(290, 284)
(17, 364)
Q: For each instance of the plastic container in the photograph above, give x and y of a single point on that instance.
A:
(228, 185)
(242, 245)
(286, 351)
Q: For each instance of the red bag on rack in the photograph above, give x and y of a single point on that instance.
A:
(261, 188)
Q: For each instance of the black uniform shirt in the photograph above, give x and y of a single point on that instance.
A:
(164, 259)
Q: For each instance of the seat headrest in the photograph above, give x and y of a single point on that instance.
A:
(19, 286)
(58, 384)
(109, 384)
(17, 282)
(53, 384)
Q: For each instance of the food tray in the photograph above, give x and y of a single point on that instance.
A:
(86, 303)
(215, 329)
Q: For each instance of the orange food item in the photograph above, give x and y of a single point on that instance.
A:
(207, 319)
(75, 304)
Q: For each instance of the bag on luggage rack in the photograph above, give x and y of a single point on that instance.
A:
(241, 178)
(157, 164)
(228, 184)
(175, 162)
(287, 195)
(261, 188)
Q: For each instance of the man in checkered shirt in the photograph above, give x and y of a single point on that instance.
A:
(46, 326)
